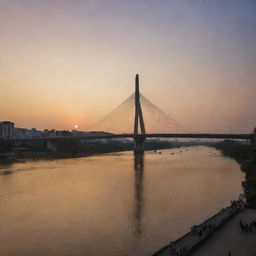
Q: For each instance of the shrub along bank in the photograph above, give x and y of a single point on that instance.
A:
(245, 155)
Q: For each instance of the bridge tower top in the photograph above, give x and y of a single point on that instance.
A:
(138, 120)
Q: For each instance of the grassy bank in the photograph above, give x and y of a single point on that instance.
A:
(245, 155)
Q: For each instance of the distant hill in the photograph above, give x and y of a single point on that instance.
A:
(121, 119)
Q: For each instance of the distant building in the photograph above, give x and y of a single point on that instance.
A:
(49, 133)
(52, 133)
(63, 133)
(34, 133)
(19, 132)
(6, 130)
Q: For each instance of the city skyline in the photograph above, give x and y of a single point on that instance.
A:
(61, 60)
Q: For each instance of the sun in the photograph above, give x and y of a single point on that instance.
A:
(75, 126)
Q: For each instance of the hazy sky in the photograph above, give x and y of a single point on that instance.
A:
(71, 62)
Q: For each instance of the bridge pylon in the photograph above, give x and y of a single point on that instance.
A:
(139, 138)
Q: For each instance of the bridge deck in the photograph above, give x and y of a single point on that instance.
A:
(152, 135)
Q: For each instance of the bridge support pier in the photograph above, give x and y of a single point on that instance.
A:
(139, 144)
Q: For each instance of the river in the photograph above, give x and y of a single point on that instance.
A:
(112, 204)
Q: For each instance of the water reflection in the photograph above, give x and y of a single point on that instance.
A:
(139, 200)
(113, 204)
(5, 168)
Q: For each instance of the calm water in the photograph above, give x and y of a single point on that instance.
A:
(111, 204)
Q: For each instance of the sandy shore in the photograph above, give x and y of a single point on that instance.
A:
(231, 238)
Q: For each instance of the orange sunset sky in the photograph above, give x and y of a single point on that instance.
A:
(64, 63)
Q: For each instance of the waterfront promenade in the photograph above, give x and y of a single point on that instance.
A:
(188, 243)
(231, 239)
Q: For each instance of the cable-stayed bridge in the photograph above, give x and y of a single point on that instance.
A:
(237, 136)
(139, 127)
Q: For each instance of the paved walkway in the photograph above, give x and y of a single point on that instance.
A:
(190, 241)
(231, 238)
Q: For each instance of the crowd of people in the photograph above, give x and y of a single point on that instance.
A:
(207, 228)
(181, 252)
(202, 229)
(247, 227)
(237, 204)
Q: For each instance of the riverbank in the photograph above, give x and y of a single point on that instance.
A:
(223, 242)
(231, 239)
(192, 240)
(75, 149)
(245, 155)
